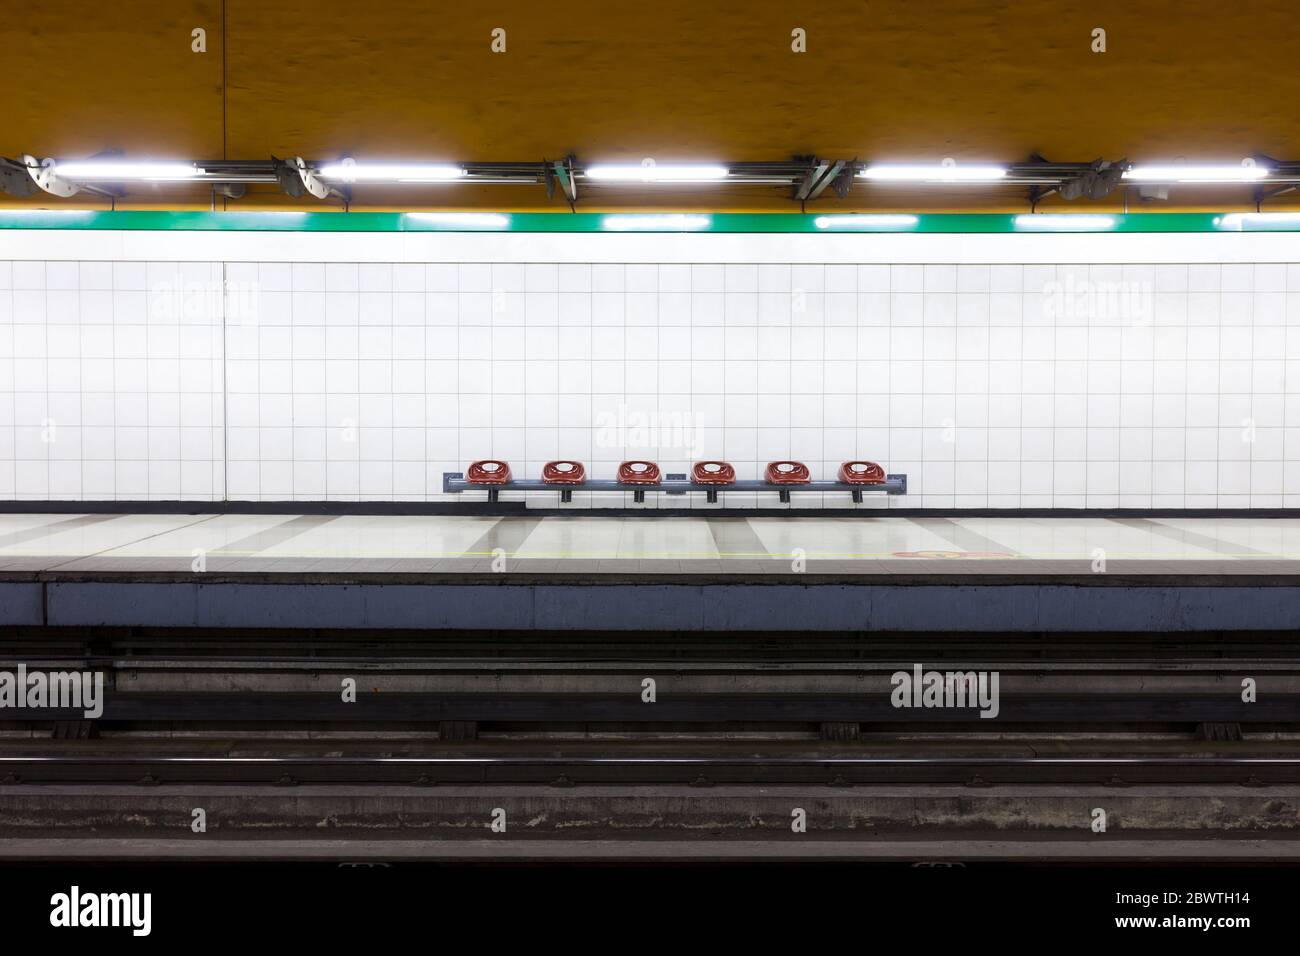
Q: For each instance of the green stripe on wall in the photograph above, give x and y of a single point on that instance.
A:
(596, 222)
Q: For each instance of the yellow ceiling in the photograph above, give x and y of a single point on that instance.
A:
(672, 79)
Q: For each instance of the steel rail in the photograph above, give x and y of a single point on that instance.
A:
(708, 770)
(679, 707)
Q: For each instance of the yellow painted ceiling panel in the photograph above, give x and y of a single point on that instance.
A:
(887, 80)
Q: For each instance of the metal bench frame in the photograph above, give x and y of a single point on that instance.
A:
(453, 482)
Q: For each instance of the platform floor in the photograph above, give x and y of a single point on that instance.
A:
(260, 544)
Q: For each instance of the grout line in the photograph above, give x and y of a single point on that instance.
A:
(225, 387)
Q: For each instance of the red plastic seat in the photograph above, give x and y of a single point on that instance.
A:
(489, 471)
(862, 473)
(713, 473)
(564, 472)
(787, 473)
(638, 473)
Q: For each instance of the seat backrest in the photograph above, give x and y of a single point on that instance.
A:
(862, 473)
(638, 473)
(489, 471)
(787, 473)
(713, 473)
(564, 472)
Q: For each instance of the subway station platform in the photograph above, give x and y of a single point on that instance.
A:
(649, 544)
(649, 573)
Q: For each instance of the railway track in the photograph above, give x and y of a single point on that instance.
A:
(700, 770)
(556, 708)
(555, 732)
(619, 800)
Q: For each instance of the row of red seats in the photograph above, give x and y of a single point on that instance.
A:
(493, 472)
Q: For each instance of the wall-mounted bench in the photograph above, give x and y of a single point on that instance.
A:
(639, 477)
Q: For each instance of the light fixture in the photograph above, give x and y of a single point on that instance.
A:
(1177, 173)
(467, 220)
(670, 223)
(350, 171)
(93, 170)
(1258, 220)
(654, 173)
(939, 173)
(21, 211)
(1064, 223)
(882, 221)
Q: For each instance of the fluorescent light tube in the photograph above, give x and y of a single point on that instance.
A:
(933, 173)
(119, 171)
(1064, 223)
(480, 220)
(391, 172)
(863, 221)
(671, 223)
(628, 173)
(1262, 220)
(1182, 173)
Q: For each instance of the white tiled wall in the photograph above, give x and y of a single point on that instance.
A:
(110, 381)
(990, 385)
